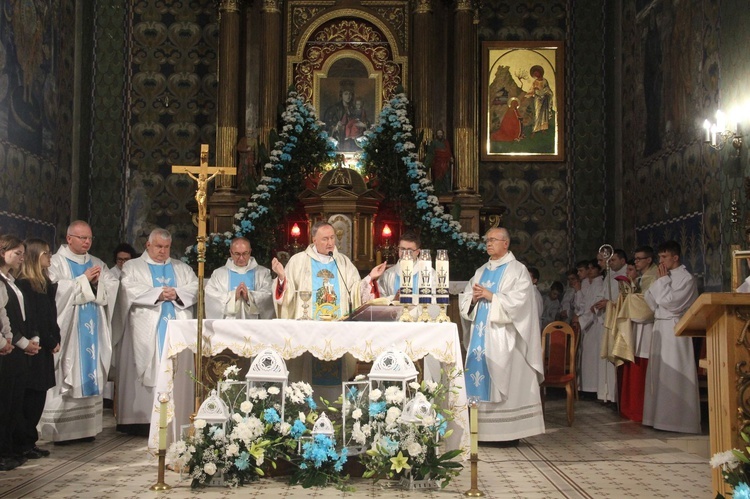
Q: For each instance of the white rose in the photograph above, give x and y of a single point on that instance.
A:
(274, 390)
(285, 428)
(199, 424)
(375, 394)
(302, 416)
(392, 415)
(414, 385)
(357, 413)
(233, 450)
(246, 406)
(414, 449)
(209, 468)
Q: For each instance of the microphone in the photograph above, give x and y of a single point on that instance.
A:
(348, 295)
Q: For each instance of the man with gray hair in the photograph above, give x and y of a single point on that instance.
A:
(504, 359)
(154, 290)
(85, 298)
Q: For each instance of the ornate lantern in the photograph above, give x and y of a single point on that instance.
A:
(269, 368)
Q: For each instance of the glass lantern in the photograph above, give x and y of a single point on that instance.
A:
(268, 369)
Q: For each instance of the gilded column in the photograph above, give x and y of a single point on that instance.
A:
(226, 118)
(270, 66)
(464, 117)
(422, 82)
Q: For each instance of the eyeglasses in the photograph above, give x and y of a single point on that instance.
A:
(82, 238)
(639, 258)
(241, 255)
(493, 240)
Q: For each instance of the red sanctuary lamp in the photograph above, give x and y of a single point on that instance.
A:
(295, 232)
(386, 247)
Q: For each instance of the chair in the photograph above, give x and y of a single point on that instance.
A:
(559, 356)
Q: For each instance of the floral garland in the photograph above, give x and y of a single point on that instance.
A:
(389, 145)
(299, 151)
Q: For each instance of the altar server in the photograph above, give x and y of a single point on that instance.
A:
(671, 401)
(241, 289)
(85, 298)
(504, 361)
(155, 289)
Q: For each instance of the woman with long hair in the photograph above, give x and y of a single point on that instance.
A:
(14, 370)
(39, 296)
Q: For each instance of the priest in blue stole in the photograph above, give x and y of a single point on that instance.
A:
(85, 298)
(504, 359)
(241, 289)
(154, 290)
(321, 284)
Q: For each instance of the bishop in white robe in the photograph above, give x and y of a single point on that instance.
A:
(155, 289)
(671, 400)
(504, 362)
(241, 289)
(86, 294)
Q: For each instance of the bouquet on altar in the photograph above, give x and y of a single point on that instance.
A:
(735, 468)
(406, 436)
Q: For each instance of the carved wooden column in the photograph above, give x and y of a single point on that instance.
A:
(421, 63)
(270, 69)
(464, 117)
(226, 117)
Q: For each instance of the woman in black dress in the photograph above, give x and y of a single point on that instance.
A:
(41, 322)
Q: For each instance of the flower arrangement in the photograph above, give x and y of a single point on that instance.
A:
(319, 464)
(299, 151)
(390, 156)
(406, 442)
(734, 466)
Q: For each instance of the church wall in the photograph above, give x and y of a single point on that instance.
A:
(555, 210)
(673, 185)
(36, 117)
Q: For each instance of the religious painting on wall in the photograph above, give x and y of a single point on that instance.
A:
(347, 98)
(523, 107)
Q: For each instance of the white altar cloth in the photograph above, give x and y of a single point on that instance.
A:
(325, 340)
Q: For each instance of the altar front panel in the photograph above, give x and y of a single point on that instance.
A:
(438, 343)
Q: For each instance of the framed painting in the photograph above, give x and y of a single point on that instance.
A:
(523, 106)
(346, 94)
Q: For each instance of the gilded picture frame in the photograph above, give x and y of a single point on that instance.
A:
(523, 101)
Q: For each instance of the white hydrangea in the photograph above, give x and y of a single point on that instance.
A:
(726, 460)
(394, 395)
(392, 415)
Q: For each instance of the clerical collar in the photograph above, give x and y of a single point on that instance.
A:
(323, 258)
(251, 264)
(501, 261)
(152, 262)
(80, 259)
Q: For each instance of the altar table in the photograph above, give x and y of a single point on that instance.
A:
(324, 340)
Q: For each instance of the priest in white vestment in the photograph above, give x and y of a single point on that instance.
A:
(320, 284)
(591, 292)
(154, 290)
(606, 390)
(504, 360)
(86, 294)
(671, 400)
(241, 289)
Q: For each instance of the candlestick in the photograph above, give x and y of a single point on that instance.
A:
(474, 428)
(163, 401)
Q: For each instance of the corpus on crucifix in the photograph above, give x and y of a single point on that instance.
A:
(201, 175)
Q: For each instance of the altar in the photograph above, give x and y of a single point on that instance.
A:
(438, 343)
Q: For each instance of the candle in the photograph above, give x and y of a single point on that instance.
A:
(163, 399)
(474, 425)
(707, 128)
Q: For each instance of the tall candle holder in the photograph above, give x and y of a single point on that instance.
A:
(406, 263)
(163, 401)
(474, 428)
(442, 288)
(425, 284)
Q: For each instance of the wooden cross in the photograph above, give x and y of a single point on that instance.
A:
(202, 178)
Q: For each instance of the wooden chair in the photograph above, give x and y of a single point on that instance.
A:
(559, 355)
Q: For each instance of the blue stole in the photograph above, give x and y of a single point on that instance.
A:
(235, 278)
(163, 275)
(477, 375)
(88, 337)
(325, 288)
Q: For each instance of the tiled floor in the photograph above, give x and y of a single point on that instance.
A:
(600, 456)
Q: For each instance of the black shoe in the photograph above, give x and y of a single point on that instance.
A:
(43, 452)
(33, 454)
(8, 463)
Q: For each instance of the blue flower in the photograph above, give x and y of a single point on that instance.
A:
(741, 491)
(243, 461)
(352, 394)
(271, 416)
(297, 128)
(298, 429)
(377, 408)
(311, 403)
(286, 157)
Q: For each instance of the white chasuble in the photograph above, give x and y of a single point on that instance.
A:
(221, 302)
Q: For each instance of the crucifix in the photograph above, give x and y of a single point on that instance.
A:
(201, 175)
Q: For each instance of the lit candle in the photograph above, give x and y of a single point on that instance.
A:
(163, 400)
(714, 129)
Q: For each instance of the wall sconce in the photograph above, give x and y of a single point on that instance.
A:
(386, 248)
(295, 232)
(718, 134)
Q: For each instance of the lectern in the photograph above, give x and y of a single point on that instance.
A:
(723, 318)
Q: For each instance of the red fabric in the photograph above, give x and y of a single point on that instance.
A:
(556, 379)
(510, 127)
(375, 289)
(280, 289)
(633, 389)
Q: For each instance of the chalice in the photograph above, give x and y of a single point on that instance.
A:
(305, 297)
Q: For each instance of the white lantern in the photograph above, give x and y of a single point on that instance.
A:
(355, 397)
(214, 411)
(418, 410)
(269, 368)
(393, 367)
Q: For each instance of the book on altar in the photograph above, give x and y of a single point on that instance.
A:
(375, 311)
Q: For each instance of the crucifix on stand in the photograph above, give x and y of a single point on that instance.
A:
(201, 175)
